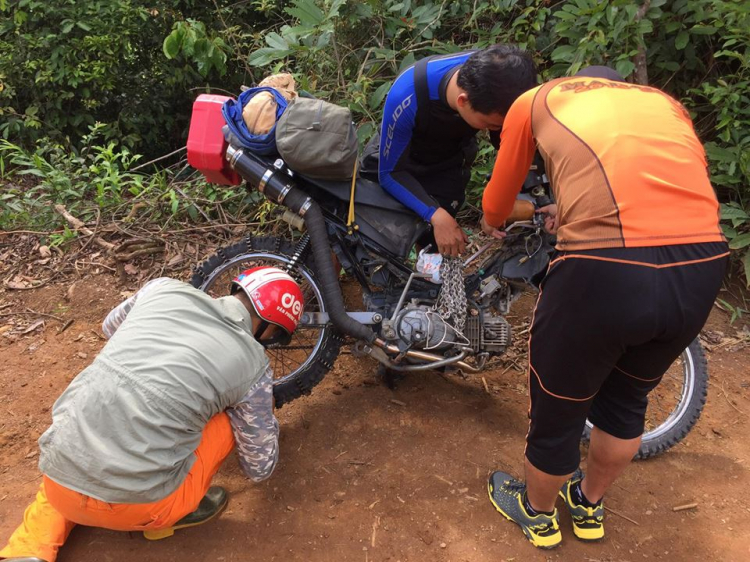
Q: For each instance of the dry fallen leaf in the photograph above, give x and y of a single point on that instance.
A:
(69, 293)
(176, 259)
(17, 283)
(33, 327)
(44, 251)
(130, 269)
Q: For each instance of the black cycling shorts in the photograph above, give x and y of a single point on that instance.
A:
(607, 325)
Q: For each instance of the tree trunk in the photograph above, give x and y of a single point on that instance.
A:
(641, 68)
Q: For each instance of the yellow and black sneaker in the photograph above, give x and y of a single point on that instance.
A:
(212, 504)
(507, 495)
(588, 522)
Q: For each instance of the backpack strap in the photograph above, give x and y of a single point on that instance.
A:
(422, 92)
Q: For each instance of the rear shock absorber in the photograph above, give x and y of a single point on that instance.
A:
(299, 252)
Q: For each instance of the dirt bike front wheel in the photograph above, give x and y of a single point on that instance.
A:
(675, 405)
(303, 363)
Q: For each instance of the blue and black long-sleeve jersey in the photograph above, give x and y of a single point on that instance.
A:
(406, 154)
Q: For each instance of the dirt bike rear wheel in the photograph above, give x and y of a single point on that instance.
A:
(675, 405)
(302, 364)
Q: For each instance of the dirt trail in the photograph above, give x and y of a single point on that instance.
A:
(363, 477)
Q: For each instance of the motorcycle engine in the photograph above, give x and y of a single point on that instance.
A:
(420, 327)
(490, 333)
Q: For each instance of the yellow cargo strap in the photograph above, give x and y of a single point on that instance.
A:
(350, 224)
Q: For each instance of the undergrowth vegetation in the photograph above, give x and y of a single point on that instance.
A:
(86, 87)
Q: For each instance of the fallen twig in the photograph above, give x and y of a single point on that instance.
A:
(685, 506)
(32, 313)
(46, 232)
(138, 247)
(160, 158)
(486, 388)
(80, 227)
(726, 396)
(375, 526)
(625, 517)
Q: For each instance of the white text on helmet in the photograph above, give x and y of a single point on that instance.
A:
(290, 302)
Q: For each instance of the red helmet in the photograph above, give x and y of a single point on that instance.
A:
(275, 296)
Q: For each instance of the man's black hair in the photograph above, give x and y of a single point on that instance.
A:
(494, 77)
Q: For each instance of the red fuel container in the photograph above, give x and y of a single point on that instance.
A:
(206, 146)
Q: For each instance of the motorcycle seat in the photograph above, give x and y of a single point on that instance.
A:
(367, 192)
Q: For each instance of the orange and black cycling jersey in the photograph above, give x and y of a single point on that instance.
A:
(626, 167)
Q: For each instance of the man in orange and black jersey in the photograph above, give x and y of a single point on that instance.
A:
(640, 260)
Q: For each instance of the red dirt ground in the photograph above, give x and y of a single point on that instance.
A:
(364, 478)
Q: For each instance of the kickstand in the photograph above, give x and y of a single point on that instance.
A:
(390, 377)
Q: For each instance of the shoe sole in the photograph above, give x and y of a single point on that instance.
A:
(159, 534)
(535, 541)
(579, 533)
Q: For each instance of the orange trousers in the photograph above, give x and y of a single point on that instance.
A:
(48, 521)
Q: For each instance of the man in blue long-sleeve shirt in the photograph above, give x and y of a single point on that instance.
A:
(428, 138)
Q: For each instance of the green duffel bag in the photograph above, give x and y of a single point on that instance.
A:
(317, 139)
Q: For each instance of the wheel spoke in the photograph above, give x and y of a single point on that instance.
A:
(285, 360)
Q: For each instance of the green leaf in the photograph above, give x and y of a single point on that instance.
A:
(276, 41)
(728, 231)
(335, 7)
(378, 95)
(306, 12)
(740, 242)
(671, 65)
(171, 46)
(746, 264)
(703, 30)
(266, 55)
(624, 67)
(365, 132)
(563, 53)
(681, 40)
(732, 212)
(407, 61)
(83, 25)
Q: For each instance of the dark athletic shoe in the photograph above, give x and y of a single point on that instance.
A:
(211, 505)
(588, 522)
(506, 494)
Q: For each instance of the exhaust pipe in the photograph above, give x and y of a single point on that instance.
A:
(280, 188)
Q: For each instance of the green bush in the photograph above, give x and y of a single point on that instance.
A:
(67, 65)
(90, 181)
(135, 66)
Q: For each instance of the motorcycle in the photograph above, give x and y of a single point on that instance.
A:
(406, 321)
